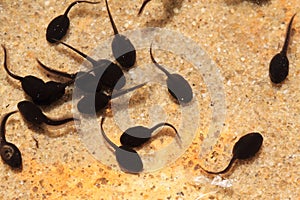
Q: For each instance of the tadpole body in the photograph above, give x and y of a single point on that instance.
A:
(279, 65)
(10, 153)
(93, 103)
(178, 86)
(127, 158)
(40, 92)
(246, 147)
(122, 48)
(106, 72)
(138, 135)
(59, 26)
(33, 114)
(145, 2)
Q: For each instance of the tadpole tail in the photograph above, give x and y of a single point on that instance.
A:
(111, 19)
(76, 2)
(224, 170)
(6, 68)
(113, 145)
(59, 122)
(57, 72)
(166, 124)
(158, 65)
(125, 91)
(94, 62)
(287, 37)
(3, 122)
(143, 6)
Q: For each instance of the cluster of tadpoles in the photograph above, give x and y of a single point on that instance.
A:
(97, 86)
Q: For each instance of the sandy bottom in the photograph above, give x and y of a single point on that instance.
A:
(223, 49)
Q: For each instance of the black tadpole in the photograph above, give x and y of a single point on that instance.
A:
(10, 154)
(106, 72)
(279, 65)
(59, 26)
(178, 86)
(40, 92)
(33, 114)
(127, 158)
(246, 147)
(93, 103)
(145, 2)
(138, 135)
(122, 48)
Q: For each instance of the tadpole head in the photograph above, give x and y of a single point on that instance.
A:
(31, 112)
(92, 103)
(123, 51)
(179, 88)
(135, 136)
(11, 155)
(129, 160)
(35, 88)
(57, 28)
(88, 83)
(247, 146)
(86, 105)
(55, 91)
(279, 68)
(113, 77)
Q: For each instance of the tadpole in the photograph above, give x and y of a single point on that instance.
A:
(93, 103)
(127, 158)
(178, 86)
(33, 114)
(138, 135)
(279, 65)
(59, 26)
(246, 147)
(10, 154)
(122, 48)
(106, 72)
(40, 92)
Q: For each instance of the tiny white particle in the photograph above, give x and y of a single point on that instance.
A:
(220, 182)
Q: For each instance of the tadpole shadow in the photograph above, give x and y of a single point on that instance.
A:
(36, 129)
(168, 13)
(258, 2)
(65, 98)
(70, 54)
(52, 132)
(14, 83)
(81, 12)
(163, 132)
